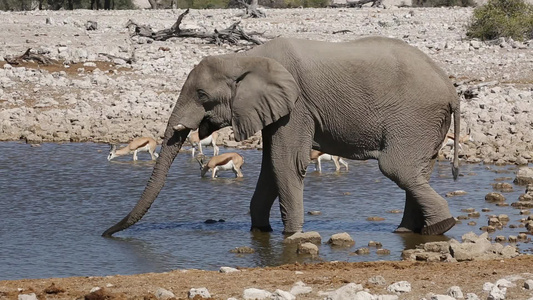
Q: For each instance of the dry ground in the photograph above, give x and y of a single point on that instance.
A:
(424, 278)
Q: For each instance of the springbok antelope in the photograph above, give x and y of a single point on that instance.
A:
(141, 144)
(208, 141)
(223, 162)
(318, 156)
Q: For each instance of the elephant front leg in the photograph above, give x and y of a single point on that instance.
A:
(266, 190)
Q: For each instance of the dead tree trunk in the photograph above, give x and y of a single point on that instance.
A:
(232, 34)
(360, 3)
(251, 9)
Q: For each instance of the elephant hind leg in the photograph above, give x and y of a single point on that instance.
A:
(426, 212)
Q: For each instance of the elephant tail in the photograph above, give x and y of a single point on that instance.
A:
(456, 132)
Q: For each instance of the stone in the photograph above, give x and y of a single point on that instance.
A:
(255, 294)
(494, 197)
(399, 287)
(282, 295)
(471, 296)
(307, 248)
(528, 284)
(377, 280)
(497, 293)
(302, 237)
(242, 250)
(341, 240)
(348, 291)
(455, 292)
(456, 193)
(163, 294)
(199, 292)
(362, 251)
(441, 297)
(31, 296)
(228, 270)
(300, 288)
(383, 252)
(524, 176)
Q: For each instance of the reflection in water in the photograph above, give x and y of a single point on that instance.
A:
(54, 205)
(411, 240)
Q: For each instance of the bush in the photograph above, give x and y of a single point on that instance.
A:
(502, 18)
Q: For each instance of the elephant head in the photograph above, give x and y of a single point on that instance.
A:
(245, 92)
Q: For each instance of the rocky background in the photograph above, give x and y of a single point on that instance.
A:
(107, 86)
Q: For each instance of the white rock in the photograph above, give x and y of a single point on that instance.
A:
(487, 286)
(441, 297)
(399, 287)
(346, 292)
(31, 296)
(163, 294)
(471, 296)
(228, 270)
(455, 292)
(300, 288)
(497, 293)
(528, 285)
(387, 297)
(282, 295)
(94, 289)
(255, 294)
(504, 283)
(202, 292)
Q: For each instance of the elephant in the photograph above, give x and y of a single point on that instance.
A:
(369, 98)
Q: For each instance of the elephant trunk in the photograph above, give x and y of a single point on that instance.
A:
(169, 150)
(190, 115)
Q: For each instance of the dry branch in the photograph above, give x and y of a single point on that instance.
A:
(28, 56)
(231, 35)
(251, 9)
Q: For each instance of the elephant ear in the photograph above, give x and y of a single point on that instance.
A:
(264, 93)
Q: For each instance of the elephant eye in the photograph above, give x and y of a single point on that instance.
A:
(202, 96)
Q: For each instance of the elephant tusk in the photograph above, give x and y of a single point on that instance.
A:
(179, 127)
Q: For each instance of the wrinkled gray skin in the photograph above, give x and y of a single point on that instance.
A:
(372, 98)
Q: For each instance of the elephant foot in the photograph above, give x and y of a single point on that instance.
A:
(266, 228)
(438, 228)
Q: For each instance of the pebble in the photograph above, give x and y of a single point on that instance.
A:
(399, 287)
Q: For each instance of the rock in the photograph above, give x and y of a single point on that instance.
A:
(362, 251)
(282, 295)
(31, 296)
(377, 280)
(300, 288)
(375, 244)
(346, 292)
(497, 293)
(341, 240)
(383, 252)
(471, 296)
(199, 292)
(528, 284)
(502, 186)
(255, 294)
(524, 176)
(163, 294)
(494, 197)
(399, 287)
(455, 292)
(314, 212)
(456, 193)
(242, 250)
(228, 270)
(307, 248)
(374, 218)
(441, 297)
(301, 237)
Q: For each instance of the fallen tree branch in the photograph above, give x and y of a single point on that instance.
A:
(231, 35)
(29, 56)
(360, 3)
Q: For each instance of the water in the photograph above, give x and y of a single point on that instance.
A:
(57, 199)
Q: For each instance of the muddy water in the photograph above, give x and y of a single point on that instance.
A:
(56, 200)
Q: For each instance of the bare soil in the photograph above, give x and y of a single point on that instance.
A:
(424, 277)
